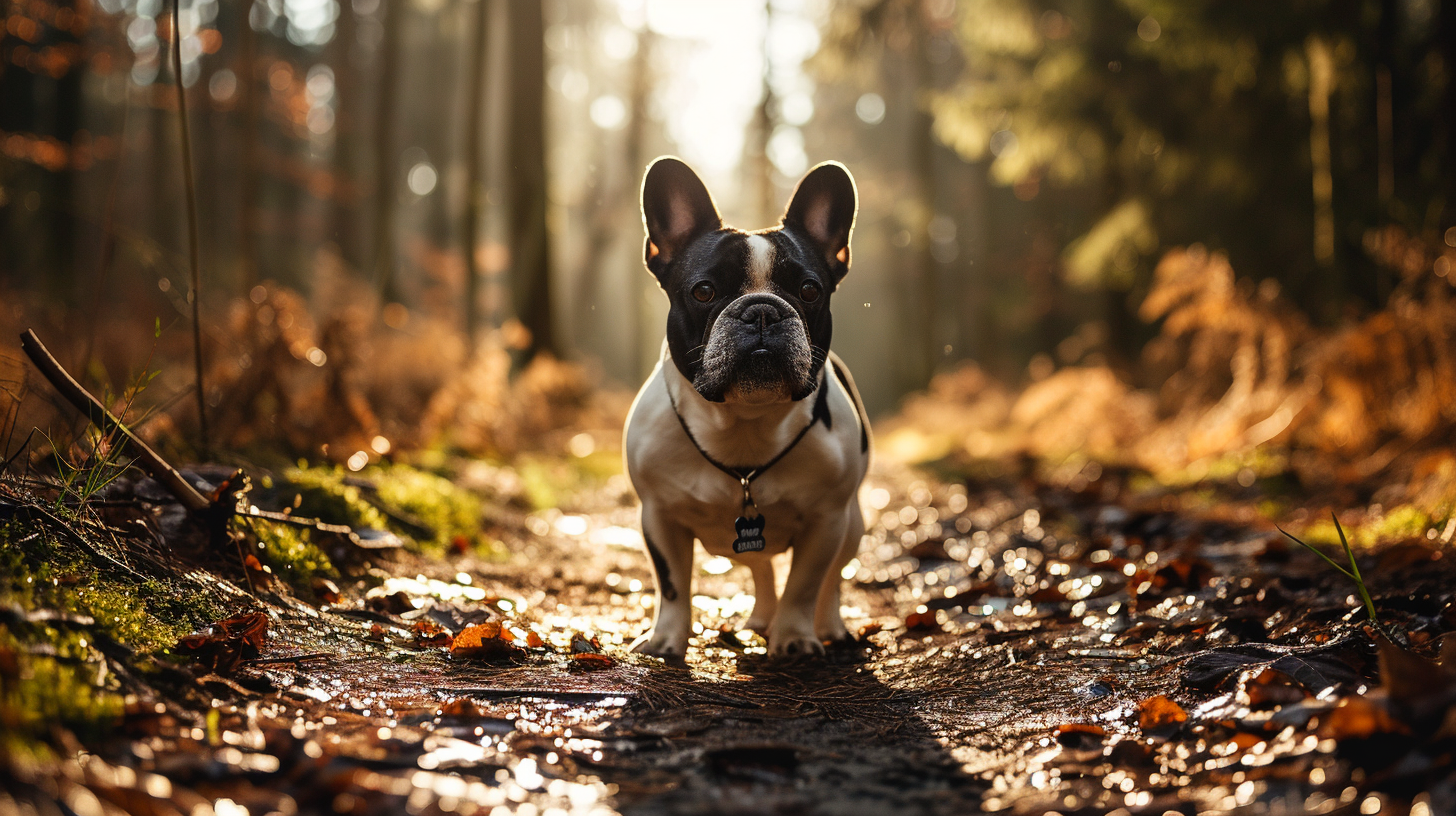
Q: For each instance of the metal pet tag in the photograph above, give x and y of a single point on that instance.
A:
(750, 534)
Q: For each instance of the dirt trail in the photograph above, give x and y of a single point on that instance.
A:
(1022, 648)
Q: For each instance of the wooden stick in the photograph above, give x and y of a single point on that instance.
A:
(146, 458)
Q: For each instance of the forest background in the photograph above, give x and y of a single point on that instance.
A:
(1167, 233)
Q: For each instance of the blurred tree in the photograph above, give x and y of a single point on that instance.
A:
(386, 120)
(529, 241)
(475, 191)
(1127, 127)
(41, 72)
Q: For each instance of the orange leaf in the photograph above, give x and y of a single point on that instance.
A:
(591, 661)
(484, 640)
(1358, 718)
(922, 620)
(1159, 712)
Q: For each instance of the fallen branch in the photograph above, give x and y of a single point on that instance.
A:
(146, 458)
(215, 512)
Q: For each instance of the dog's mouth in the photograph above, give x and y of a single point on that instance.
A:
(757, 352)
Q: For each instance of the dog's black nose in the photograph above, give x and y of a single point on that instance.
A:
(761, 314)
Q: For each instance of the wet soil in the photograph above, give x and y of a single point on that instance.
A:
(1021, 648)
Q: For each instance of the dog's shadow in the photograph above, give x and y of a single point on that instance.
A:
(750, 733)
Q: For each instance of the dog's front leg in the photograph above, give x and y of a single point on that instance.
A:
(670, 546)
(792, 631)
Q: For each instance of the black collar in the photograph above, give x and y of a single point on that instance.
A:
(745, 476)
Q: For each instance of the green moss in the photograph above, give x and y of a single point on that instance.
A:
(435, 501)
(38, 572)
(291, 553)
(408, 494)
(325, 496)
(53, 690)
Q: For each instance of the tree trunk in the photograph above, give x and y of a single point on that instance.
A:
(395, 17)
(247, 74)
(528, 239)
(474, 172)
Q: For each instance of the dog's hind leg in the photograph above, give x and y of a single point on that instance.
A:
(765, 592)
(828, 625)
(670, 546)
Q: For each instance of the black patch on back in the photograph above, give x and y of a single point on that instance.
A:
(864, 423)
(821, 405)
(659, 565)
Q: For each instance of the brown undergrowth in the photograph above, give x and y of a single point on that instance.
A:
(1237, 386)
(326, 376)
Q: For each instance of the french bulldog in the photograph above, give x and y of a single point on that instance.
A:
(749, 436)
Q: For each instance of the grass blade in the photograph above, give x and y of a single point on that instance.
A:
(1355, 573)
(1316, 551)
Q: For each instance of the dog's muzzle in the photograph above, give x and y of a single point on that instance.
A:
(757, 347)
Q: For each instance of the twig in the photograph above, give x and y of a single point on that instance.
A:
(312, 524)
(147, 459)
(192, 241)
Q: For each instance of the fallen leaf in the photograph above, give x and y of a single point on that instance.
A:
(1245, 740)
(226, 643)
(429, 633)
(462, 707)
(591, 661)
(1079, 735)
(258, 573)
(1268, 688)
(923, 621)
(485, 641)
(1160, 712)
(1359, 717)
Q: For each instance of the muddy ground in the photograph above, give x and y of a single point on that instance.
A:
(1022, 648)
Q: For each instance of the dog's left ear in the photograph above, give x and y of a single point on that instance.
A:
(823, 208)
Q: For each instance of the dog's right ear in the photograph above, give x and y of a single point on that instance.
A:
(676, 208)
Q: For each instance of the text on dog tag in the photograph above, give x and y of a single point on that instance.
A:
(750, 534)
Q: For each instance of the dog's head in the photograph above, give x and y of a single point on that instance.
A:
(750, 319)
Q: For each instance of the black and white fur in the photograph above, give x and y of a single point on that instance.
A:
(749, 368)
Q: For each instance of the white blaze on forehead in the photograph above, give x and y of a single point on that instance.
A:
(760, 263)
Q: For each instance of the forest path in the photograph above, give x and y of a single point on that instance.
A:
(1023, 648)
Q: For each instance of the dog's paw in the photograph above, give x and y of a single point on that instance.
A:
(833, 632)
(792, 643)
(662, 644)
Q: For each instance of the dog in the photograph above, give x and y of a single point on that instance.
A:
(749, 436)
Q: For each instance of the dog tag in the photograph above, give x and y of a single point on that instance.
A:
(750, 534)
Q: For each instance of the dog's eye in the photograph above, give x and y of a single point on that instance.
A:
(809, 292)
(703, 292)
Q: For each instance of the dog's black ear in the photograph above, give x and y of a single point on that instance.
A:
(823, 208)
(676, 208)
